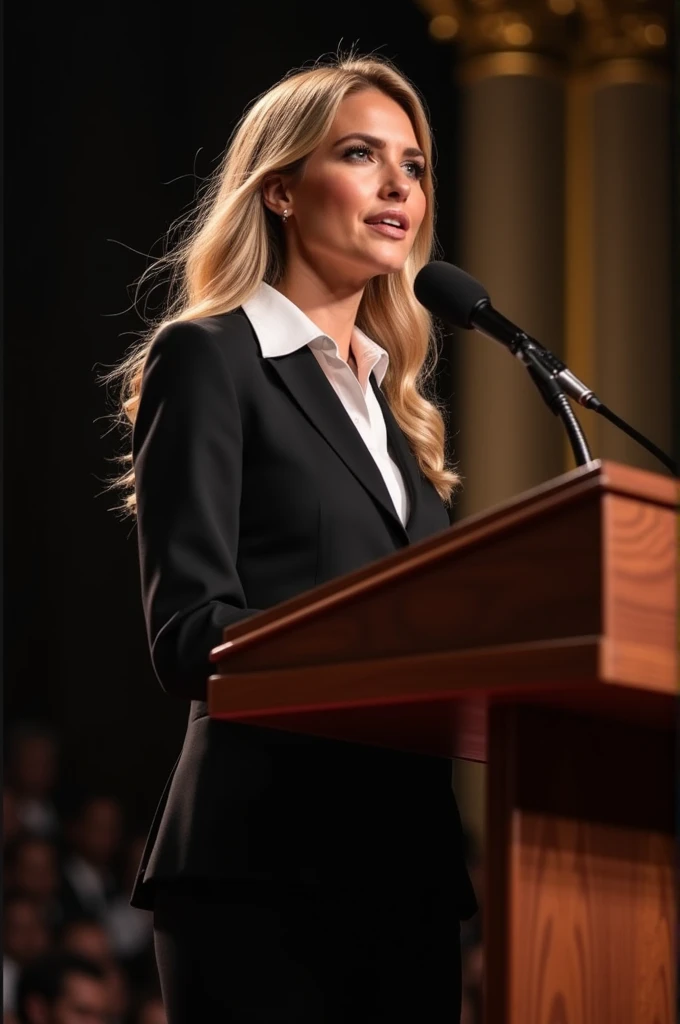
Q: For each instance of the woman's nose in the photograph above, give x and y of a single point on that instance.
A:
(396, 186)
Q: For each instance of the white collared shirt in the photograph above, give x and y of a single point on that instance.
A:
(282, 328)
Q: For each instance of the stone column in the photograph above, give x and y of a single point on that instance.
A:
(619, 216)
(512, 239)
(631, 227)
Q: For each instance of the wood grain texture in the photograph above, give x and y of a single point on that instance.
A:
(642, 666)
(598, 904)
(581, 904)
(436, 703)
(432, 675)
(640, 572)
(640, 484)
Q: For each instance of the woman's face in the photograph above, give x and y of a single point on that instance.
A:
(357, 203)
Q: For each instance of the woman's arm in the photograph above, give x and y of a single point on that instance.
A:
(187, 452)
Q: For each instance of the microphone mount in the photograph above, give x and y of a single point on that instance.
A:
(555, 399)
(484, 318)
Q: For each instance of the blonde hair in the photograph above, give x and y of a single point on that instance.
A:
(234, 243)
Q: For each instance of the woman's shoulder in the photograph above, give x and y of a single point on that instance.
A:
(226, 340)
(231, 332)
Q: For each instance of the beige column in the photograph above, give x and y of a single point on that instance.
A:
(632, 220)
(512, 239)
(618, 311)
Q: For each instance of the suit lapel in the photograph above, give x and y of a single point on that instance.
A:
(427, 514)
(402, 455)
(306, 382)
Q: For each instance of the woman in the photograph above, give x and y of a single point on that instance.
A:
(291, 878)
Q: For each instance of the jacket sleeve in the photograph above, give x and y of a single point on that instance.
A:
(187, 454)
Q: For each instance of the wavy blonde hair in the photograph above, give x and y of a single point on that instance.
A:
(235, 242)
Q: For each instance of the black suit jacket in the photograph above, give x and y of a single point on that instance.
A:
(253, 485)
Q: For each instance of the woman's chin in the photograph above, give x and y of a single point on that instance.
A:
(390, 264)
(362, 267)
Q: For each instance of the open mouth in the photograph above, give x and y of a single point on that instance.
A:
(392, 224)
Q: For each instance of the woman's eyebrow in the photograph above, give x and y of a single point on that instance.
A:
(377, 143)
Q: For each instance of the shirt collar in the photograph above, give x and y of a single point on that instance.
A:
(282, 328)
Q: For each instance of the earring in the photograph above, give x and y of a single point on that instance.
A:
(285, 215)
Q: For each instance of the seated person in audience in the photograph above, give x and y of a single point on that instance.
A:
(25, 936)
(94, 833)
(32, 868)
(88, 938)
(62, 988)
(32, 774)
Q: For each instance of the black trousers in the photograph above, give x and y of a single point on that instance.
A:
(270, 953)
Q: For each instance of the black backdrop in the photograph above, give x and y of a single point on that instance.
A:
(112, 115)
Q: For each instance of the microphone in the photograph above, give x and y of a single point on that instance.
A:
(458, 299)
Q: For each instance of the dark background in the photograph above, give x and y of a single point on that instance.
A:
(113, 118)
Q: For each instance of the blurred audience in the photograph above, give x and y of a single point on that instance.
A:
(75, 951)
(88, 938)
(32, 868)
(25, 937)
(62, 988)
(68, 879)
(94, 833)
(31, 773)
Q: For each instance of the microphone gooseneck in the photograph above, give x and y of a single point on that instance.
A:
(455, 297)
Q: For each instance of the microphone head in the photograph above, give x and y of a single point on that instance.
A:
(449, 293)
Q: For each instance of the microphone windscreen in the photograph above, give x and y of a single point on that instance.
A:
(448, 292)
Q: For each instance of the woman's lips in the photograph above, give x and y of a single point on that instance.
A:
(389, 230)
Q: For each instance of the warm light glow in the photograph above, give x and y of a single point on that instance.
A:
(562, 6)
(518, 33)
(655, 34)
(443, 26)
(602, 42)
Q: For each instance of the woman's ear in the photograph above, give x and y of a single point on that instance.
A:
(275, 194)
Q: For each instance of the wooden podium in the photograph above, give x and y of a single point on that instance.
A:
(542, 638)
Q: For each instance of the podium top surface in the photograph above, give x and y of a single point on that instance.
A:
(597, 479)
(565, 595)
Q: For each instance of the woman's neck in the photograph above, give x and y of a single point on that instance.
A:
(333, 310)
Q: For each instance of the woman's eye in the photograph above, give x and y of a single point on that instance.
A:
(415, 169)
(358, 151)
